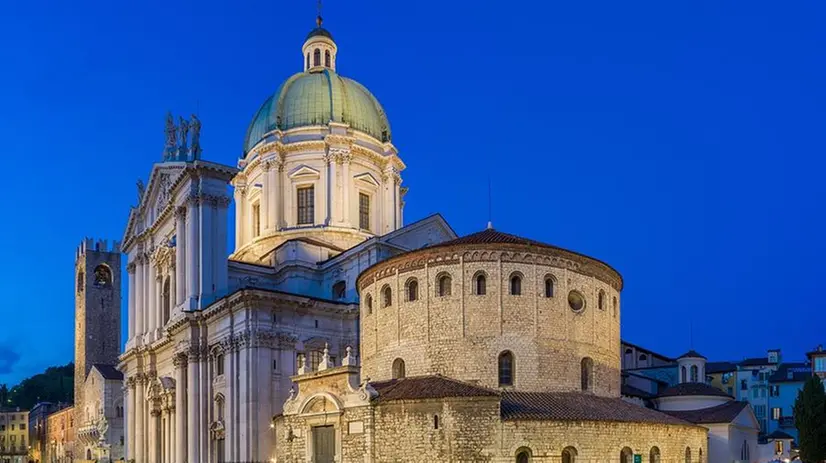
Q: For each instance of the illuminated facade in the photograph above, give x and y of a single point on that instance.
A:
(213, 341)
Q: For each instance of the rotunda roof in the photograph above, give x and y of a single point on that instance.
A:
(316, 98)
(693, 389)
(494, 239)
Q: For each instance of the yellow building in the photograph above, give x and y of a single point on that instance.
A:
(14, 435)
(723, 376)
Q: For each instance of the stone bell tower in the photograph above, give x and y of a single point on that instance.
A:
(97, 310)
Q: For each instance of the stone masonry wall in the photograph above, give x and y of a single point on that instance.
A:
(470, 430)
(462, 335)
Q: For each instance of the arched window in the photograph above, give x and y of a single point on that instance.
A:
(412, 289)
(654, 455)
(308, 60)
(506, 368)
(398, 369)
(317, 57)
(443, 285)
(79, 281)
(643, 357)
(327, 58)
(435, 421)
(701, 456)
(569, 455)
(103, 275)
(688, 455)
(480, 285)
(601, 300)
(516, 285)
(88, 454)
(368, 304)
(616, 305)
(628, 350)
(386, 296)
(549, 286)
(626, 455)
(683, 375)
(166, 300)
(694, 373)
(586, 373)
(339, 290)
(523, 455)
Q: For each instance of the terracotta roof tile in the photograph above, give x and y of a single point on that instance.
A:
(684, 389)
(428, 387)
(575, 406)
(724, 413)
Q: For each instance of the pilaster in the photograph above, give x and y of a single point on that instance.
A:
(180, 255)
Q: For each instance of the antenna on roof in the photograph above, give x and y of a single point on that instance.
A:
(490, 206)
(318, 19)
(691, 335)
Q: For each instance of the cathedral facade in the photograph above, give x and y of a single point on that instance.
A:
(318, 338)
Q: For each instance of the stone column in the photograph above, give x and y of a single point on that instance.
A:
(246, 381)
(158, 298)
(219, 248)
(397, 210)
(138, 290)
(346, 184)
(240, 193)
(139, 407)
(193, 407)
(180, 255)
(180, 363)
(154, 434)
(192, 254)
(152, 302)
(332, 191)
(129, 418)
(130, 320)
(264, 202)
(275, 194)
(230, 405)
(207, 265)
(206, 404)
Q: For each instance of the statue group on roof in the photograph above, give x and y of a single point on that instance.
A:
(183, 142)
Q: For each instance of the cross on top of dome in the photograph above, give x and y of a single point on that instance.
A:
(319, 49)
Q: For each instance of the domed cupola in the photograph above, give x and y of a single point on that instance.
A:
(319, 49)
(318, 163)
(318, 96)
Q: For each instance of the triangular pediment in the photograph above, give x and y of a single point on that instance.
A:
(367, 178)
(154, 196)
(304, 171)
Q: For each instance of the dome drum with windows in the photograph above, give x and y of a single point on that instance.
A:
(506, 312)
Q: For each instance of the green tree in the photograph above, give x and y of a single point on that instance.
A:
(810, 419)
(4, 395)
(54, 385)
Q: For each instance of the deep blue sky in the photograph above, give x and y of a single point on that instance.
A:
(682, 143)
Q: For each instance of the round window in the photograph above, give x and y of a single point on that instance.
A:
(576, 301)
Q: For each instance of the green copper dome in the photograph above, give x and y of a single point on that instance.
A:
(316, 98)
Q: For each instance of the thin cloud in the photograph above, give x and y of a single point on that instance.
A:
(8, 359)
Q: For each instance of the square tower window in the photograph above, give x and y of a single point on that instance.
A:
(306, 211)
